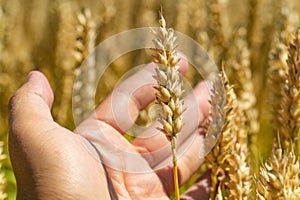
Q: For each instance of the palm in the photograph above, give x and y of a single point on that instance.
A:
(89, 174)
(121, 184)
(97, 162)
(132, 163)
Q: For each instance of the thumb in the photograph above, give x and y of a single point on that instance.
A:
(29, 115)
(29, 112)
(29, 107)
(29, 118)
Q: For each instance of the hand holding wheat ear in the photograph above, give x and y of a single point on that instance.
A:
(169, 89)
(60, 163)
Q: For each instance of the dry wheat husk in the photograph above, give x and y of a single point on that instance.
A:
(279, 176)
(229, 159)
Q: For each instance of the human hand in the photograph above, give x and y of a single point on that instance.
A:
(51, 162)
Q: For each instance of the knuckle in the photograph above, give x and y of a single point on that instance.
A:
(14, 100)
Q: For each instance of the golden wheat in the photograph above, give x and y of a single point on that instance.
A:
(83, 101)
(229, 159)
(42, 35)
(285, 74)
(279, 176)
(169, 89)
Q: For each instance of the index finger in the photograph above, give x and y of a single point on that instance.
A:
(121, 108)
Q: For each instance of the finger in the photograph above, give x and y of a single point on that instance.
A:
(121, 108)
(157, 150)
(29, 116)
(199, 190)
(29, 107)
(40, 149)
(189, 161)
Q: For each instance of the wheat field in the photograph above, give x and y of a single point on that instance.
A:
(256, 42)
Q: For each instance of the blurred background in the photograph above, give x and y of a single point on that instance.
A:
(55, 36)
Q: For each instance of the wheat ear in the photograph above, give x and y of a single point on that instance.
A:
(215, 31)
(229, 158)
(85, 69)
(286, 75)
(239, 62)
(169, 89)
(279, 176)
(64, 59)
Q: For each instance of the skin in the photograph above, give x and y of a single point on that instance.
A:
(52, 162)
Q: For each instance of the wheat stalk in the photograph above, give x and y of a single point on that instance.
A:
(169, 89)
